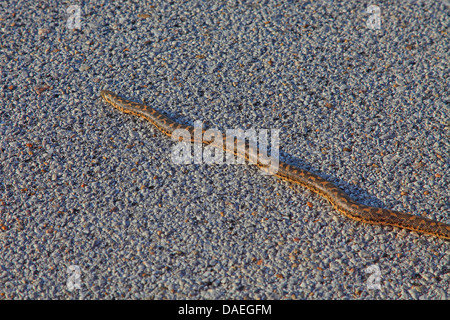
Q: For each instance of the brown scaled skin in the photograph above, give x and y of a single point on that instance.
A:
(329, 191)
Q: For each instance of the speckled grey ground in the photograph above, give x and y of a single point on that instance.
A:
(82, 184)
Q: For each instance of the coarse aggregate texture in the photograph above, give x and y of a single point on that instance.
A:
(84, 185)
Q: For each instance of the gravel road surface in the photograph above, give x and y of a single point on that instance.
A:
(93, 207)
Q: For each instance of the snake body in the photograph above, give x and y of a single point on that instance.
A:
(338, 198)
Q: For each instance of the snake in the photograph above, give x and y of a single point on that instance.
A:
(336, 196)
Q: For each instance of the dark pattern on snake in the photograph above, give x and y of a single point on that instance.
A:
(333, 194)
